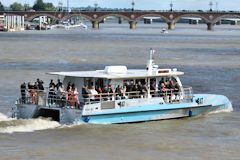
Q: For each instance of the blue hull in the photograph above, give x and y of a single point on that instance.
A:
(161, 111)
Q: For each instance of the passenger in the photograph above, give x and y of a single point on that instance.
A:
(153, 89)
(59, 83)
(118, 90)
(127, 84)
(135, 91)
(171, 85)
(110, 92)
(85, 92)
(110, 89)
(105, 92)
(51, 94)
(144, 90)
(30, 87)
(99, 90)
(75, 102)
(51, 83)
(40, 86)
(93, 93)
(23, 92)
(73, 86)
(163, 89)
(34, 93)
(69, 85)
(61, 95)
(139, 86)
(70, 96)
(124, 92)
(105, 89)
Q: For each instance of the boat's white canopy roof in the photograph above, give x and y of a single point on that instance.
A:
(114, 73)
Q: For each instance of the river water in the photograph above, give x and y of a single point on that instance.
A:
(210, 60)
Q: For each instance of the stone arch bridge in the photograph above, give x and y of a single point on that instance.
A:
(171, 18)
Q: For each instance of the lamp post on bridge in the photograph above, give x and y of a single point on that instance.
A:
(133, 4)
(95, 6)
(26, 6)
(216, 6)
(211, 4)
(171, 6)
(60, 5)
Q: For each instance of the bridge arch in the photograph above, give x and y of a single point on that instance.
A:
(77, 14)
(225, 16)
(152, 15)
(191, 15)
(42, 14)
(113, 15)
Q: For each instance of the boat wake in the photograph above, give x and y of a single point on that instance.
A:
(229, 109)
(11, 125)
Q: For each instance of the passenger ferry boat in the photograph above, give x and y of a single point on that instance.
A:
(121, 96)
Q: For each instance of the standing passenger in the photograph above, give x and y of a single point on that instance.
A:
(23, 92)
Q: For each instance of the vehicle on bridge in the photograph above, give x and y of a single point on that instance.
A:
(117, 95)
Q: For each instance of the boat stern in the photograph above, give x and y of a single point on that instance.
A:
(219, 103)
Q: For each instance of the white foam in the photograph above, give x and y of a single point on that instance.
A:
(4, 117)
(76, 123)
(30, 125)
(229, 109)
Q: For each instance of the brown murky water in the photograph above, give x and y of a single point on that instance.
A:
(210, 60)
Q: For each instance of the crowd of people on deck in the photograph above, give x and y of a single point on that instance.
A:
(58, 95)
(31, 89)
(129, 90)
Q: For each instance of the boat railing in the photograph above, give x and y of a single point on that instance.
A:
(43, 98)
(169, 96)
(104, 97)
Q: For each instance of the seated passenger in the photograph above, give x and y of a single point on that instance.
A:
(124, 92)
(99, 90)
(93, 94)
(119, 92)
(163, 89)
(85, 92)
(110, 89)
(144, 90)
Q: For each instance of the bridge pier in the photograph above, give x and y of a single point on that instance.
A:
(95, 24)
(133, 25)
(171, 25)
(210, 26)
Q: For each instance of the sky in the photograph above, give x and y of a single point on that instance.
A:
(145, 4)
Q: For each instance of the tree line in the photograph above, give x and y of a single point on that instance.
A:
(39, 5)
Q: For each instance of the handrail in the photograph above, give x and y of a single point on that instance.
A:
(43, 97)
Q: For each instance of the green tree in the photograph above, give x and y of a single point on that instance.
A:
(49, 7)
(16, 6)
(1, 7)
(39, 5)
